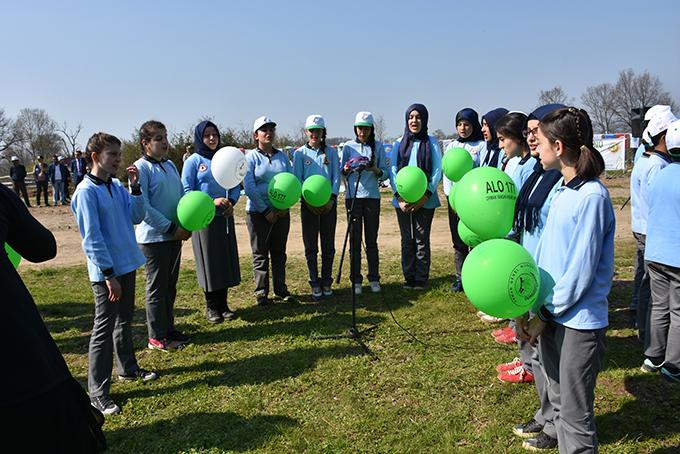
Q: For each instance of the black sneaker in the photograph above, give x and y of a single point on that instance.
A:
(419, 285)
(528, 429)
(409, 284)
(542, 442)
(457, 286)
(179, 337)
(262, 300)
(228, 314)
(139, 374)
(105, 405)
(287, 298)
(213, 316)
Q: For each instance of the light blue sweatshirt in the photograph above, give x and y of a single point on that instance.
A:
(485, 152)
(530, 240)
(105, 214)
(577, 250)
(260, 170)
(309, 161)
(161, 189)
(638, 153)
(368, 183)
(433, 179)
(197, 176)
(525, 167)
(663, 231)
(644, 172)
(476, 150)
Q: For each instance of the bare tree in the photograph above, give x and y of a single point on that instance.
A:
(555, 95)
(379, 127)
(638, 91)
(37, 133)
(601, 106)
(8, 134)
(70, 138)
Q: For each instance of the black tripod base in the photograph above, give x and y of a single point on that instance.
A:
(356, 335)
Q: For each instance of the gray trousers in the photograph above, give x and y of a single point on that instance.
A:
(460, 249)
(162, 271)
(640, 300)
(572, 359)
(268, 240)
(415, 243)
(367, 214)
(664, 332)
(545, 415)
(111, 334)
(313, 228)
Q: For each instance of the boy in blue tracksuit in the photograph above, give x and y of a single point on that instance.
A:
(315, 158)
(105, 214)
(662, 261)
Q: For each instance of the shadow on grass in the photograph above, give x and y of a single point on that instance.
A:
(200, 431)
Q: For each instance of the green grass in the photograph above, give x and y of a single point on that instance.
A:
(263, 383)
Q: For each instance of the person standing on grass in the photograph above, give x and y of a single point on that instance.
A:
(315, 158)
(40, 173)
(215, 247)
(17, 173)
(577, 251)
(159, 236)
(268, 227)
(105, 213)
(57, 175)
(470, 138)
(78, 168)
(416, 148)
(363, 161)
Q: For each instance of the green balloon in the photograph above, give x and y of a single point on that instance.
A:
(452, 196)
(468, 236)
(411, 183)
(546, 287)
(456, 163)
(13, 255)
(501, 278)
(316, 190)
(195, 210)
(485, 202)
(284, 190)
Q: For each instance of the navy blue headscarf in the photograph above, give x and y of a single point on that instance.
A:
(540, 112)
(493, 150)
(200, 147)
(424, 150)
(471, 116)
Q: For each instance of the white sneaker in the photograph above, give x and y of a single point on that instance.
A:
(375, 286)
(316, 293)
(327, 291)
(491, 319)
(357, 289)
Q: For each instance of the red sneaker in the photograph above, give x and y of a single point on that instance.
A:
(506, 340)
(514, 364)
(517, 375)
(502, 332)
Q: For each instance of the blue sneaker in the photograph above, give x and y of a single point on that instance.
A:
(673, 377)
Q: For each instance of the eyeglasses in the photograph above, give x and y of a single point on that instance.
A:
(530, 132)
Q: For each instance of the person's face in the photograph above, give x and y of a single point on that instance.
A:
(157, 147)
(54, 159)
(464, 129)
(314, 136)
(486, 130)
(415, 123)
(532, 130)
(548, 151)
(509, 145)
(363, 133)
(266, 135)
(78, 154)
(210, 137)
(108, 159)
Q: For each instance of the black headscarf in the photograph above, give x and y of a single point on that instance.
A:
(493, 150)
(200, 147)
(424, 151)
(470, 115)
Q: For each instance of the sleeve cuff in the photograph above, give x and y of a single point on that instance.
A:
(172, 229)
(428, 193)
(232, 201)
(545, 315)
(108, 273)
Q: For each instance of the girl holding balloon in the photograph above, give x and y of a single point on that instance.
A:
(576, 250)
(510, 130)
(215, 247)
(415, 211)
(315, 163)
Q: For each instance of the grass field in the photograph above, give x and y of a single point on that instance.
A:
(262, 383)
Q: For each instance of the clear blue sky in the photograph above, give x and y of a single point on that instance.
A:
(111, 67)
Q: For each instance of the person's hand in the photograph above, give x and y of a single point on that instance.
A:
(115, 290)
(328, 207)
(404, 205)
(133, 175)
(345, 168)
(534, 329)
(225, 205)
(281, 213)
(181, 234)
(272, 216)
(419, 204)
(521, 323)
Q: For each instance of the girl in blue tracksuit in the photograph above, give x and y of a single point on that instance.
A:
(416, 148)
(470, 137)
(316, 158)
(363, 163)
(493, 155)
(215, 247)
(576, 250)
(510, 130)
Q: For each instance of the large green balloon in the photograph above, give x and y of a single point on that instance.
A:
(13, 255)
(546, 288)
(195, 210)
(284, 190)
(485, 202)
(456, 163)
(468, 236)
(452, 196)
(411, 183)
(317, 190)
(501, 278)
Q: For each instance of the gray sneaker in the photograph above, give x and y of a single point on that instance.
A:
(375, 286)
(317, 293)
(139, 374)
(105, 405)
(327, 291)
(649, 367)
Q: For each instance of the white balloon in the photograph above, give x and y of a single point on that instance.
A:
(228, 167)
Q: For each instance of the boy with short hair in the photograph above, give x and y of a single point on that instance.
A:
(105, 213)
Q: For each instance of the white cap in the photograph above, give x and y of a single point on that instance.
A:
(261, 121)
(646, 137)
(315, 121)
(660, 122)
(363, 119)
(14, 158)
(655, 110)
(673, 138)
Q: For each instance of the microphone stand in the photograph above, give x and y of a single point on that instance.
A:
(353, 333)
